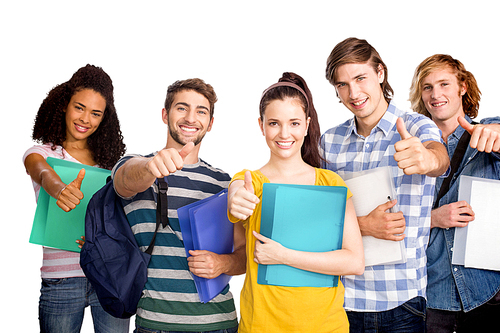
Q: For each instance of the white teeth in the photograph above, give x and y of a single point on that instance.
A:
(81, 127)
(439, 104)
(285, 144)
(188, 129)
(360, 102)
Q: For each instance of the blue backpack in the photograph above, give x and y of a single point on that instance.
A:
(110, 257)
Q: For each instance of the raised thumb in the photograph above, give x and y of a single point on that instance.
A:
(248, 182)
(186, 150)
(400, 126)
(79, 178)
(465, 124)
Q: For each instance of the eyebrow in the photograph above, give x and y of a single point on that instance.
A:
(187, 105)
(438, 81)
(291, 119)
(354, 78)
(360, 75)
(83, 105)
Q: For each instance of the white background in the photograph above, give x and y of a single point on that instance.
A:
(238, 47)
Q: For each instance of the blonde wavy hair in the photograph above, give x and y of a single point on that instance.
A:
(470, 101)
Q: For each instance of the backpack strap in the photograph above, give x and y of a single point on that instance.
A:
(161, 211)
(162, 205)
(458, 155)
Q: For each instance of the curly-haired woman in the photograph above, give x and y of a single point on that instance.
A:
(77, 122)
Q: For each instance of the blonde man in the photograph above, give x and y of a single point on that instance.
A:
(459, 299)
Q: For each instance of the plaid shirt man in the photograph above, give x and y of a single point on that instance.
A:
(384, 287)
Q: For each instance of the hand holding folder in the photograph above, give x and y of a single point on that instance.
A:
(303, 218)
(371, 188)
(52, 226)
(71, 194)
(205, 226)
(477, 245)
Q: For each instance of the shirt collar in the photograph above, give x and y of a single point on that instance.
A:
(457, 134)
(386, 123)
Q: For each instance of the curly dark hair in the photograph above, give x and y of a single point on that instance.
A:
(106, 143)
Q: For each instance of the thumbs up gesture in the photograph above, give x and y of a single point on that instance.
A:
(412, 156)
(70, 196)
(169, 160)
(241, 198)
(485, 138)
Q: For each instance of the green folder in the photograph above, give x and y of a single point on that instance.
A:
(304, 218)
(52, 226)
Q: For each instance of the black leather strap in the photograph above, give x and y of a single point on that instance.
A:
(458, 155)
(161, 211)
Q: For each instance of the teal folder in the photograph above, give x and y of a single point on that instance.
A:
(303, 218)
(52, 226)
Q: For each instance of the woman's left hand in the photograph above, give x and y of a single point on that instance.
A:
(267, 251)
(80, 242)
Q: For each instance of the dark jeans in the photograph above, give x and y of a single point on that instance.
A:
(139, 329)
(406, 318)
(484, 318)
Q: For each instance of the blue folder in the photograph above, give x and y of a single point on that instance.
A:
(303, 218)
(54, 227)
(205, 226)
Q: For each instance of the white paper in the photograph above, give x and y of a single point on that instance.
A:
(478, 244)
(370, 189)
(464, 192)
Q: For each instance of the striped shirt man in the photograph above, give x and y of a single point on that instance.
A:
(170, 301)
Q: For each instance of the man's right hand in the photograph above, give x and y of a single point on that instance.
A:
(138, 173)
(383, 225)
(168, 160)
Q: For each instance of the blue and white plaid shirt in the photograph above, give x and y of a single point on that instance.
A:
(385, 287)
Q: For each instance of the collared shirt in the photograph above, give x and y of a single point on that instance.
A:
(384, 287)
(454, 287)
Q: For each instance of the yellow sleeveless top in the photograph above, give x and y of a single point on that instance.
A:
(266, 308)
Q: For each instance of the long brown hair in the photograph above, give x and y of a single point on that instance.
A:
(309, 151)
(106, 143)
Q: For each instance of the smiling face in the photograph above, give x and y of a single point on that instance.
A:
(84, 114)
(442, 95)
(284, 126)
(358, 87)
(189, 118)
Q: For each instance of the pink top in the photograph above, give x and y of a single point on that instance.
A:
(57, 263)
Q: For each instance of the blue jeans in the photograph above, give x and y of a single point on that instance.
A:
(62, 306)
(140, 329)
(484, 318)
(406, 318)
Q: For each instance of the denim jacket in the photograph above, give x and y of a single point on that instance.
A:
(454, 287)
